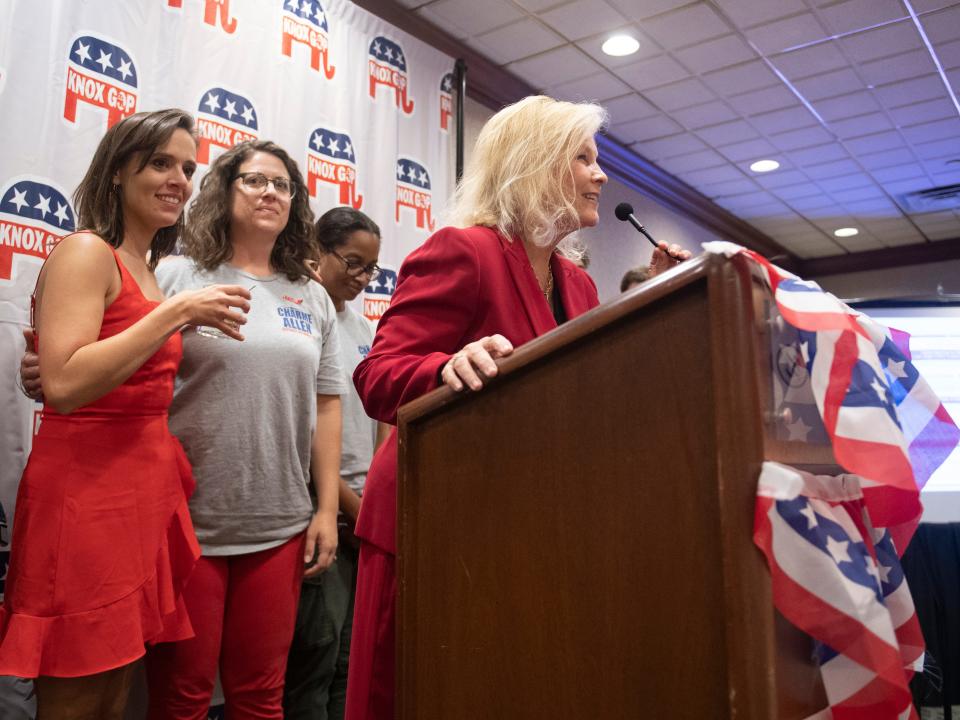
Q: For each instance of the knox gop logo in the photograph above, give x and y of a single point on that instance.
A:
(224, 119)
(446, 101)
(304, 22)
(331, 159)
(387, 65)
(413, 191)
(214, 12)
(101, 74)
(377, 294)
(34, 216)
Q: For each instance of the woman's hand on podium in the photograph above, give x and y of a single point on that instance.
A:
(473, 365)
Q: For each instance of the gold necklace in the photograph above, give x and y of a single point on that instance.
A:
(548, 290)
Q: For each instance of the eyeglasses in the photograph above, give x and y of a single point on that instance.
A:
(356, 269)
(257, 182)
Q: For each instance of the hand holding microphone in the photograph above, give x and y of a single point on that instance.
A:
(664, 256)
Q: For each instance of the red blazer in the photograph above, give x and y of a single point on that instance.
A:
(460, 286)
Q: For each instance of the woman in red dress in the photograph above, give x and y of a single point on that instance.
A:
(102, 539)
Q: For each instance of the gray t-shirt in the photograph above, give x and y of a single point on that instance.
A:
(246, 412)
(359, 431)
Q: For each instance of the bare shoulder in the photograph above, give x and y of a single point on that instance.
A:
(81, 254)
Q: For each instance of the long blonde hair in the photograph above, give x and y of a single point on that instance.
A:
(519, 175)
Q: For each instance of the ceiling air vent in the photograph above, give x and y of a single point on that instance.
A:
(944, 197)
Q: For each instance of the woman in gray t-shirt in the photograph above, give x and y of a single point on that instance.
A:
(259, 420)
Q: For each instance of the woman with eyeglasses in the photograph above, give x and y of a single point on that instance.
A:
(470, 295)
(258, 421)
(102, 542)
(349, 244)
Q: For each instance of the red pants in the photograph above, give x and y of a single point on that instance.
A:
(370, 677)
(243, 609)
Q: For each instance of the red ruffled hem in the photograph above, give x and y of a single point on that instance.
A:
(116, 634)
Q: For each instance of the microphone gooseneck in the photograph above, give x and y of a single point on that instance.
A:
(624, 211)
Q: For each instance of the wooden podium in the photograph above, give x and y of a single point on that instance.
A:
(575, 541)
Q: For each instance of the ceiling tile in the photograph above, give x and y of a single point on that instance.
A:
(882, 42)
(727, 133)
(949, 54)
(844, 106)
(783, 120)
(731, 187)
(795, 192)
(938, 130)
(629, 107)
(680, 95)
(554, 66)
(815, 250)
(887, 158)
(670, 146)
(814, 205)
(781, 179)
(582, 18)
(746, 13)
(859, 243)
(875, 143)
(537, 5)
(599, 87)
(814, 60)
(897, 94)
(748, 151)
(765, 100)
(515, 41)
(897, 67)
(820, 154)
(686, 26)
(647, 8)
(943, 26)
(853, 15)
(804, 137)
(871, 207)
(901, 187)
(694, 161)
(652, 72)
(843, 192)
(645, 129)
(923, 6)
(593, 46)
(465, 18)
(712, 175)
(780, 35)
(715, 54)
(831, 84)
(699, 116)
(837, 168)
(751, 75)
(939, 149)
(893, 173)
(860, 125)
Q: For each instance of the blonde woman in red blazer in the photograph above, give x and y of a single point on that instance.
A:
(470, 295)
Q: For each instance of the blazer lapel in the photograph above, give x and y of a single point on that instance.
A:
(521, 272)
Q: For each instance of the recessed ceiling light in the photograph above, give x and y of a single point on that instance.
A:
(620, 45)
(846, 232)
(764, 166)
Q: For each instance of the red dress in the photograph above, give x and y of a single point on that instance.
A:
(102, 539)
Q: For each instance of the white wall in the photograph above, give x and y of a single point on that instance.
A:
(909, 281)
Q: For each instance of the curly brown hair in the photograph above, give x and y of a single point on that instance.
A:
(206, 239)
(98, 202)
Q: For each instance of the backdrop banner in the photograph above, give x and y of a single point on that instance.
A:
(362, 107)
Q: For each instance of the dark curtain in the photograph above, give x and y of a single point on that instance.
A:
(932, 567)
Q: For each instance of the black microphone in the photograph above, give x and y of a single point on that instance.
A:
(624, 211)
